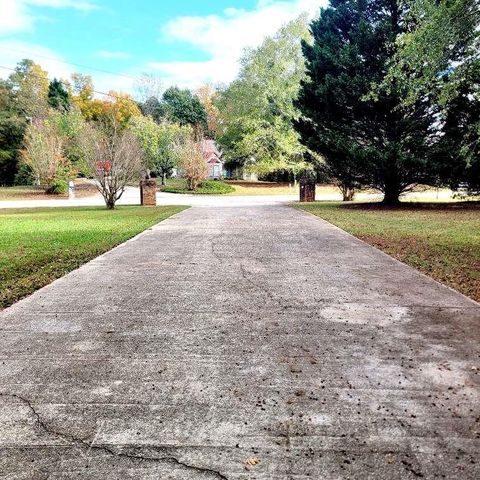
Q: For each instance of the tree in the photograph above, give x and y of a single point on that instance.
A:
(30, 82)
(192, 162)
(385, 142)
(257, 109)
(43, 153)
(159, 143)
(208, 96)
(83, 97)
(58, 96)
(12, 128)
(116, 105)
(115, 159)
(70, 126)
(437, 61)
(183, 107)
(149, 91)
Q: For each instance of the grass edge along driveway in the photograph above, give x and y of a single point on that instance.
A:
(39, 245)
(440, 240)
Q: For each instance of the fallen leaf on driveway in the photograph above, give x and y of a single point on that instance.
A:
(252, 461)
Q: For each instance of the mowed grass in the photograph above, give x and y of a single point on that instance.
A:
(262, 188)
(240, 187)
(83, 188)
(38, 245)
(442, 241)
(24, 193)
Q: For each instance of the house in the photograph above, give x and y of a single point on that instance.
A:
(212, 157)
(237, 170)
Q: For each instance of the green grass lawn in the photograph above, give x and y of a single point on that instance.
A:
(262, 188)
(24, 193)
(83, 188)
(442, 241)
(38, 245)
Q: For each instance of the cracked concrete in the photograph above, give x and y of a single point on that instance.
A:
(241, 343)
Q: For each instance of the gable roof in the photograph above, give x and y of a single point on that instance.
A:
(210, 151)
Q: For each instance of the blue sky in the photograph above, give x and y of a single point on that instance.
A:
(184, 42)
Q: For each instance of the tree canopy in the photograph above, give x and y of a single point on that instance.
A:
(257, 109)
(159, 143)
(58, 96)
(391, 94)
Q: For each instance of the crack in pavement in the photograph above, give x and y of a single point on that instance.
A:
(246, 276)
(91, 446)
(213, 245)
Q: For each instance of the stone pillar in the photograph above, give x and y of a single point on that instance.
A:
(307, 189)
(148, 192)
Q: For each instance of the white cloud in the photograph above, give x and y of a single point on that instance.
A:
(224, 38)
(113, 55)
(16, 16)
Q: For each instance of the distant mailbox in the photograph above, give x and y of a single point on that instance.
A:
(307, 189)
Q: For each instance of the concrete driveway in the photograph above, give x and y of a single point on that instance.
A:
(241, 343)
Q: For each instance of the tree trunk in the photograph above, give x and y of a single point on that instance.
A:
(163, 179)
(391, 195)
(110, 204)
(348, 194)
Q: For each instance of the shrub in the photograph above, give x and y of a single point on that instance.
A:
(215, 186)
(207, 187)
(58, 186)
(192, 163)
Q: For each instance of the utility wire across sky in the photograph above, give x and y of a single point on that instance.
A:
(50, 79)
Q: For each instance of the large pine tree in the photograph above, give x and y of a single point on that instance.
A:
(383, 142)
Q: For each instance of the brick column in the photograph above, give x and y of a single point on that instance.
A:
(148, 192)
(307, 189)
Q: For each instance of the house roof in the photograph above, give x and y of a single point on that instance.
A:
(210, 151)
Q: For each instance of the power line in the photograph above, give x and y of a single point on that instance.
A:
(72, 63)
(46, 78)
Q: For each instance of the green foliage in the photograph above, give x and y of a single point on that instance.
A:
(207, 187)
(159, 143)
(71, 127)
(38, 245)
(30, 83)
(215, 186)
(257, 109)
(58, 186)
(24, 175)
(58, 97)
(12, 127)
(377, 142)
(437, 61)
(183, 107)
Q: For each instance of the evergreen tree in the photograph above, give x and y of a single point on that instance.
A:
(58, 96)
(384, 142)
(12, 128)
(438, 60)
